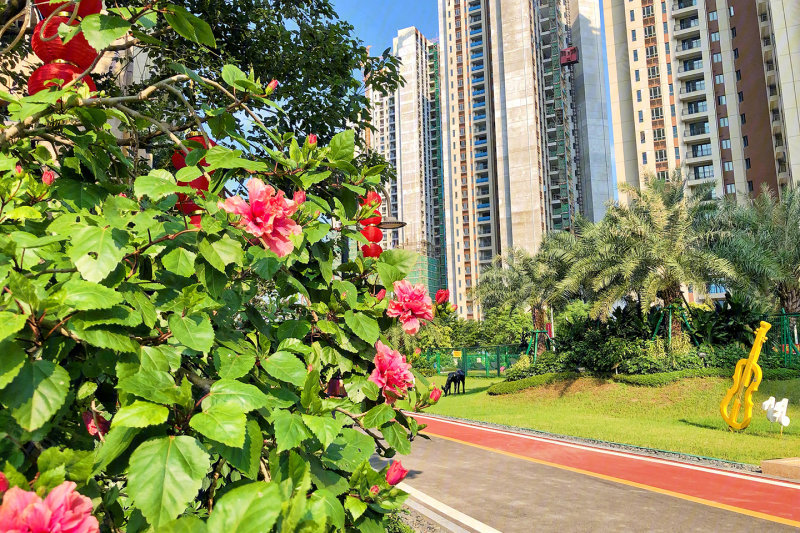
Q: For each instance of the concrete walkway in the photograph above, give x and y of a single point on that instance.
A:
(467, 476)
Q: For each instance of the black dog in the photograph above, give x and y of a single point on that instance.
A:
(454, 378)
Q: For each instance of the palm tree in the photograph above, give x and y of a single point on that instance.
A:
(650, 248)
(762, 240)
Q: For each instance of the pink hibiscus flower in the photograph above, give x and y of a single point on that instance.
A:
(392, 374)
(411, 304)
(267, 216)
(63, 510)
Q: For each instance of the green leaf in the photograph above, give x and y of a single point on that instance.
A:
(354, 506)
(37, 392)
(285, 367)
(230, 391)
(316, 232)
(156, 185)
(224, 423)
(12, 359)
(378, 415)
(325, 504)
(189, 26)
(180, 261)
(233, 364)
(362, 325)
(349, 450)
(156, 386)
(140, 414)
(290, 430)
(245, 459)
(231, 74)
(193, 331)
(396, 436)
(103, 338)
(84, 296)
(389, 274)
(10, 323)
(251, 508)
(77, 463)
(23, 212)
(102, 30)
(403, 260)
(311, 389)
(96, 251)
(325, 428)
(86, 390)
(164, 476)
(342, 146)
(294, 329)
(184, 524)
(117, 441)
(221, 253)
(222, 157)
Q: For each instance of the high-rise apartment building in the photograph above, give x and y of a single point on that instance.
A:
(694, 86)
(407, 134)
(516, 163)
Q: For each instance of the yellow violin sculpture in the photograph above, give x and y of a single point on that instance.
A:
(746, 378)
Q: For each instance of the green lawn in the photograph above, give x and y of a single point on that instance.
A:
(683, 416)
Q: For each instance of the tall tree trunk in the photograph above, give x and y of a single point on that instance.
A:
(790, 302)
(672, 295)
(539, 321)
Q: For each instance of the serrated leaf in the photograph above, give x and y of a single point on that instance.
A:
(251, 508)
(221, 253)
(155, 185)
(403, 260)
(12, 359)
(96, 251)
(290, 430)
(140, 414)
(342, 146)
(363, 325)
(117, 441)
(396, 436)
(77, 463)
(325, 428)
(224, 423)
(184, 524)
(164, 476)
(378, 415)
(294, 329)
(156, 386)
(102, 30)
(193, 331)
(85, 296)
(190, 26)
(245, 459)
(233, 364)
(325, 504)
(86, 390)
(231, 74)
(285, 367)
(355, 507)
(180, 261)
(10, 323)
(36, 393)
(230, 391)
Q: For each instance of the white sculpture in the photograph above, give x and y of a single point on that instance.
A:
(776, 411)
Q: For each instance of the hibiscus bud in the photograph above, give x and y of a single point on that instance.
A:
(381, 295)
(272, 86)
(299, 197)
(48, 177)
(18, 168)
(453, 308)
(395, 473)
(102, 426)
(436, 393)
(374, 490)
(312, 139)
(442, 296)
(122, 195)
(3, 483)
(417, 351)
(310, 367)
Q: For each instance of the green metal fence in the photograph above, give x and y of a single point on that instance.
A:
(475, 360)
(783, 337)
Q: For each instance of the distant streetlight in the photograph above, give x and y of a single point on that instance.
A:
(390, 222)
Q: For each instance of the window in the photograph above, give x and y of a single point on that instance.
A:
(745, 140)
(730, 188)
(704, 172)
(657, 113)
(723, 122)
(744, 118)
(641, 116)
(649, 31)
(663, 7)
(638, 95)
(671, 89)
(661, 155)
(736, 53)
(636, 55)
(738, 75)
(666, 45)
(750, 186)
(741, 97)
(727, 166)
(726, 144)
(652, 72)
(747, 163)
(651, 51)
(658, 134)
(633, 35)
(674, 132)
(721, 100)
(733, 31)
(677, 153)
(633, 17)
(716, 58)
(719, 79)
(642, 137)
(647, 11)
(672, 109)
(712, 15)
(730, 8)
(644, 158)
(662, 175)
(655, 92)
(714, 36)
(636, 74)
(669, 69)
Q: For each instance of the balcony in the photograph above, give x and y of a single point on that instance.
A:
(476, 32)
(474, 8)
(690, 70)
(484, 218)
(696, 157)
(484, 205)
(479, 105)
(482, 180)
(479, 92)
(682, 7)
(478, 55)
(477, 117)
(477, 80)
(692, 92)
(687, 27)
(688, 48)
(697, 134)
(694, 113)
(476, 68)
(475, 44)
(480, 142)
(481, 154)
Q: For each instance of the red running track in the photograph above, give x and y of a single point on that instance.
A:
(762, 497)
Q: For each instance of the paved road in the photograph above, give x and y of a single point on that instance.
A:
(519, 492)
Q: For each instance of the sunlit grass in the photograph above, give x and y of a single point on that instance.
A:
(682, 417)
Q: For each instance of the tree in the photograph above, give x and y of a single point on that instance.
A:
(760, 238)
(650, 248)
(134, 360)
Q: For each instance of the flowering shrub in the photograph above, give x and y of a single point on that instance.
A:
(173, 370)
(410, 304)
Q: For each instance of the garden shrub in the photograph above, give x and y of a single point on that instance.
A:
(547, 362)
(423, 365)
(665, 378)
(508, 387)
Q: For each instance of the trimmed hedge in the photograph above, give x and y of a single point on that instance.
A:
(509, 387)
(665, 378)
